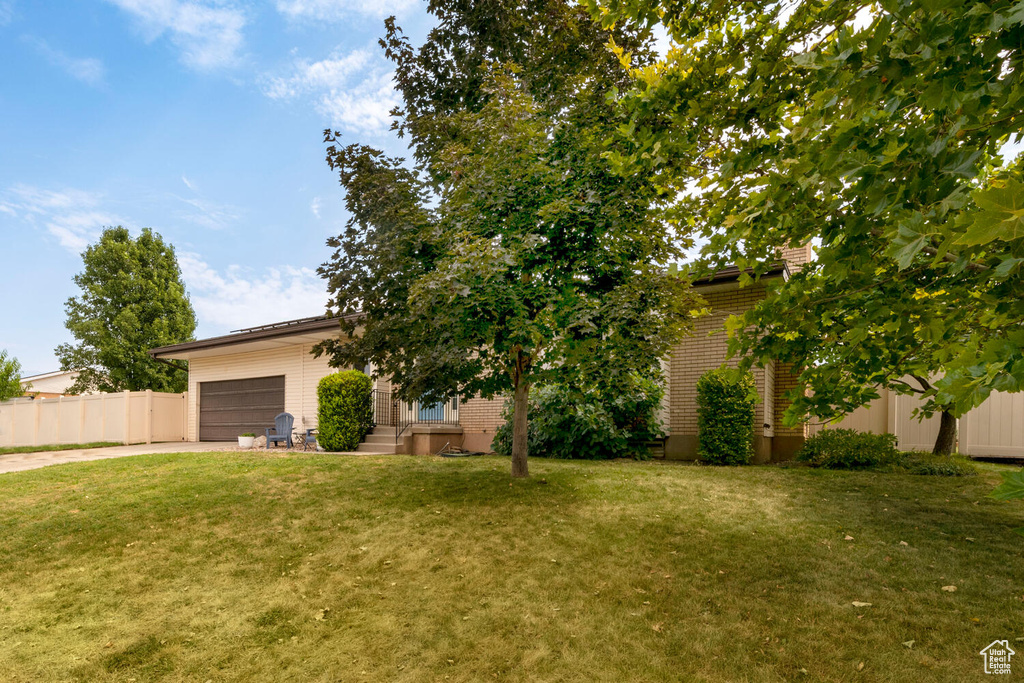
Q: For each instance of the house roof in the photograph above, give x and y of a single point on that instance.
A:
(313, 330)
(732, 274)
(274, 335)
(48, 375)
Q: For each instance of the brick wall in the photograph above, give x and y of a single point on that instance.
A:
(479, 418)
(796, 257)
(705, 349)
(785, 379)
(481, 414)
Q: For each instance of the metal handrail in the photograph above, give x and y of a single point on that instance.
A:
(410, 413)
(385, 408)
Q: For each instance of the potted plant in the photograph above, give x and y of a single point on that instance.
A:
(245, 440)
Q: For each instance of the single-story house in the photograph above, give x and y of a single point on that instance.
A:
(240, 381)
(49, 384)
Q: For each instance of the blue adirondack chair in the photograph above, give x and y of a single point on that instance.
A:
(282, 430)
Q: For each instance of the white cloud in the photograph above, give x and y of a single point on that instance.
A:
(243, 297)
(337, 10)
(314, 206)
(308, 76)
(74, 217)
(207, 214)
(86, 69)
(366, 108)
(353, 91)
(188, 183)
(209, 34)
(6, 12)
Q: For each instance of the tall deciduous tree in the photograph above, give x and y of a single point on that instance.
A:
(535, 262)
(10, 376)
(132, 300)
(875, 130)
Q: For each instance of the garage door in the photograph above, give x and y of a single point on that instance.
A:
(237, 406)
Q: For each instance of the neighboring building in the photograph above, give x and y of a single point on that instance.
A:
(49, 384)
(240, 381)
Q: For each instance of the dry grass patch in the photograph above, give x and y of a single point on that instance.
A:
(313, 567)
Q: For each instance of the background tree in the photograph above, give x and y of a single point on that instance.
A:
(10, 376)
(874, 130)
(132, 300)
(538, 262)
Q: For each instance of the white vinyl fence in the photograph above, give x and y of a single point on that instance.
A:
(125, 417)
(994, 428)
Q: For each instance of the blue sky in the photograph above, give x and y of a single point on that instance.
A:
(201, 119)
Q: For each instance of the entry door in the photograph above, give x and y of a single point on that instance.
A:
(233, 407)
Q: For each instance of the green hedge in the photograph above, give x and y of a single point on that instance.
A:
(846, 449)
(345, 412)
(587, 425)
(725, 417)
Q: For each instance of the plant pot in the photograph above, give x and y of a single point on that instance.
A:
(246, 441)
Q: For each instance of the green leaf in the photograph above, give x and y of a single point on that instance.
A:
(1001, 215)
(1012, 487)
(908, 242)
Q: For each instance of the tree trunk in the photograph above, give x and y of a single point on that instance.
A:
(946, 439)
(520, 407)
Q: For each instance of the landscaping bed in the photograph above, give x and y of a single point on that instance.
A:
(315, 567)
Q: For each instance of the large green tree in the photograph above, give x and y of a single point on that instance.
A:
(511, 254)
(874, 130)
(132, 299)
(10, 376)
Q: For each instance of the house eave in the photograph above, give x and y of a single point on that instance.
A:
(730, 278)
(311, 330)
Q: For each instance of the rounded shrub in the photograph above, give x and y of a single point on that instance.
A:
(592, 425)
(847, 449)
(725, 417)
(345, 412)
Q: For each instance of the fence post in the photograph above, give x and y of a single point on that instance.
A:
(37, 403)
(81, 417)
(127, 416)
(149, 416)
(60, 402)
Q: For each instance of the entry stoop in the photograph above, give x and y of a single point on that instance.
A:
(380, 440)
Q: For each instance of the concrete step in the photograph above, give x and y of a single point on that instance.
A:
(375, 448)
(380, 438)
(381, 430)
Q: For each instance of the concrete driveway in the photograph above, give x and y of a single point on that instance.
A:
(17, 462)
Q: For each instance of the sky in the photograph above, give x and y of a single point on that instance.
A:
(200, 119)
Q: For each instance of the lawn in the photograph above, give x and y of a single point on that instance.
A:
(313, 567)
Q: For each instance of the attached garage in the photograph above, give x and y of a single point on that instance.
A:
(239, 382)
(237, 406)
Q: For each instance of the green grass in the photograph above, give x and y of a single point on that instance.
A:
(58, 447)
(313, 567)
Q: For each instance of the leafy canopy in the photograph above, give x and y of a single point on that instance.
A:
(132, 300)
(10, 376)
(873, 130)
(512, 254)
